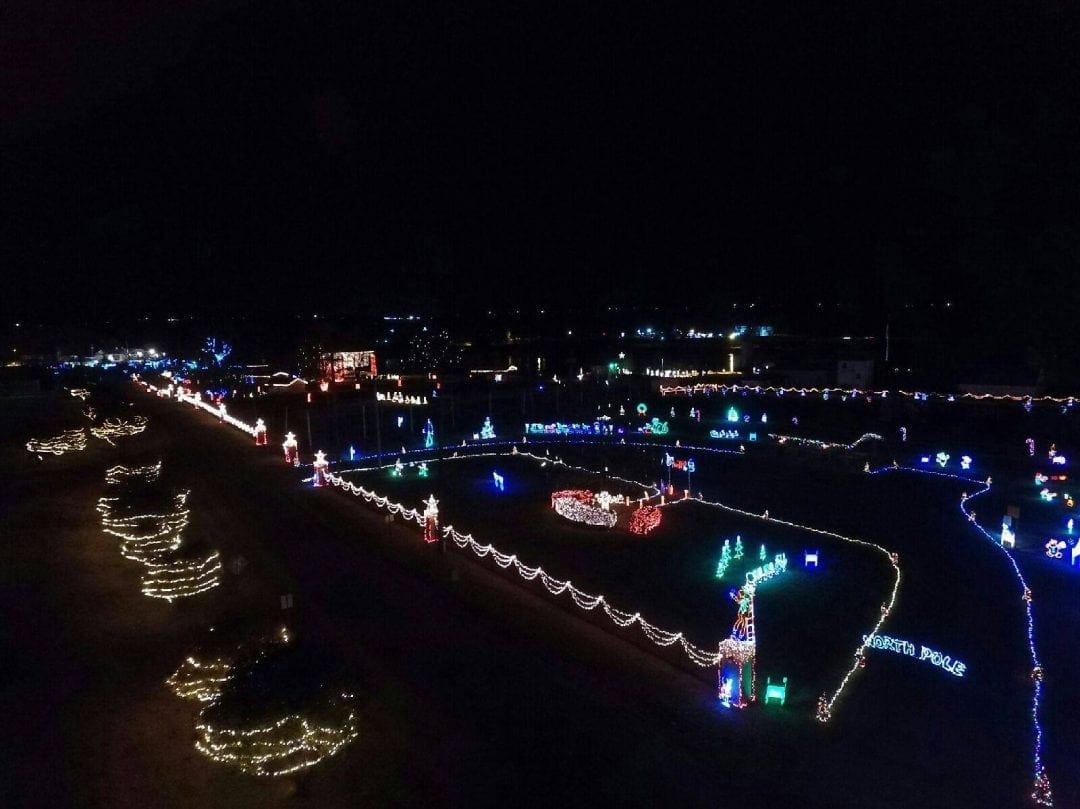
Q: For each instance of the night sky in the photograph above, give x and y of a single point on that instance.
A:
(216, 156)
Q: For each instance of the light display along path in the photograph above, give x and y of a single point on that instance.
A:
(588, 601)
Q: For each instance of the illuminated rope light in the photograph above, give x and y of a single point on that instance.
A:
(115, 475)
(67, 441)
(90, 413)
(179, 577)
(1041, 792)
(779, 390)
(204, 679)
(814, 442)
(118, 428)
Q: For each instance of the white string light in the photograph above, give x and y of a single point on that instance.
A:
(118, 428)
(67, 441)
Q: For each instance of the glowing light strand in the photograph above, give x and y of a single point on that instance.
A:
(67, 441)
(1041, 792)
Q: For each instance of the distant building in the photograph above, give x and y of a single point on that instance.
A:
(347, 366)
(854, 373)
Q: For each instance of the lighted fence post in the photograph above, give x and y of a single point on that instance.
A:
(290, 448)
(431, 520)
(320, 466)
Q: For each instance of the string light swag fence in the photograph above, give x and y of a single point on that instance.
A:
(779, 390)
(193, 399)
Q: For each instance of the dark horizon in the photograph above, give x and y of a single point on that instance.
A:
(267, 159)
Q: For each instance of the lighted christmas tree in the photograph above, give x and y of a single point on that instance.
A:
(725, 559)
(488, 430)
(739, 553)
(761, 554)
(429, 435)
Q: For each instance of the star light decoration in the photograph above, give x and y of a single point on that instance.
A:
(67, 441)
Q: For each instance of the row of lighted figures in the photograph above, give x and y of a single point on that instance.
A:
(1055, 548)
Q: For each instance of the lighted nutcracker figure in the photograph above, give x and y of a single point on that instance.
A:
(431, 520)
(321, 465)
(260, 433)
(290, 448)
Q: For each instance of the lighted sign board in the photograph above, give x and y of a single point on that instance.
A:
(925, 653)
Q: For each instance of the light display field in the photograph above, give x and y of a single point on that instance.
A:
(809, 621)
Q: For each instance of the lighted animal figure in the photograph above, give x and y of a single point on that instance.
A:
(810, 558)
(1007, 536)
(775, 691)
(398, 468)
(500, 481)
(1054, 548)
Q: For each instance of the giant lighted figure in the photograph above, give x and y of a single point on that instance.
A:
(736, 669)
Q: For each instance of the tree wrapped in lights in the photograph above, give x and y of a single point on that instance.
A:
(277, 715)
(644, 520)
(145, 536)
(181, 574)
(203, 673)
(67, 441)
(200, 678)
(119, 428)
(739, 552)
